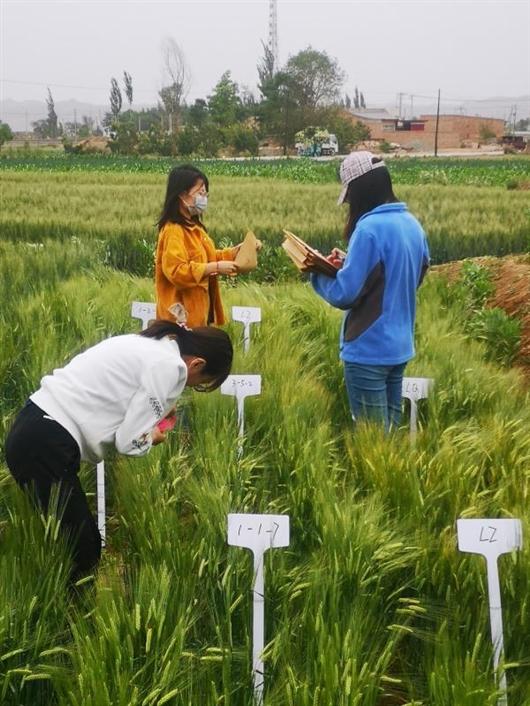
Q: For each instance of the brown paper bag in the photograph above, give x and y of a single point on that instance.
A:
(246, 258)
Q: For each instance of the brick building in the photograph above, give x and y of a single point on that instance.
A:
(454, 131)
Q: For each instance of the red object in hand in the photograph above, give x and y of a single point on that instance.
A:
(336, 261)
(167, 424)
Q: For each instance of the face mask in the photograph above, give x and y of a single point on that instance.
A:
(200, 203)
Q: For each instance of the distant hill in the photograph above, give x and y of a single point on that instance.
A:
(497, 107)
(20, 114)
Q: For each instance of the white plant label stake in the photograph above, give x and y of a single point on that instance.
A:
(491, 538)
(258, 533)
(145, 311)
(100, 496)
(241, 386)
(415, 389)
(246, 315)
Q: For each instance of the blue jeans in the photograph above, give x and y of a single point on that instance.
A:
(374, 392)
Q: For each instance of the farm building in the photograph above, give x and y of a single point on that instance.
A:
(454, 131)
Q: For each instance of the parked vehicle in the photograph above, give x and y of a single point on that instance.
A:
(314, 142)
(330, 146)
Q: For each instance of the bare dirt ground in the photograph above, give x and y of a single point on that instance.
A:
(511, 278)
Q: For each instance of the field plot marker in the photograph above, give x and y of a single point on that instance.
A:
(491, 538)
(100, 495)
(415, 389)
(246, 315)
(145, 311)
(241, 386)
(258, 533)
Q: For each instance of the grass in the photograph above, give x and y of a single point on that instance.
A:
(370, 605)
(116, 213)
(500, 171)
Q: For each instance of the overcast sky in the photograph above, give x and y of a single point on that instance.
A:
(468, 49)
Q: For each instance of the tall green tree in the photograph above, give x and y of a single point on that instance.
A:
(5, 133)
(266, 68)
(279, 111)
(52, 116)
(127, 82)
(224, 104)
(316, 78)
(197, 114)
(115, 98)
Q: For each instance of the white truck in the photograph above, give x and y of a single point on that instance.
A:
(330, 147)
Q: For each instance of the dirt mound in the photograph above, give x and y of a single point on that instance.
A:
(512, 293)
(511, 278)
(93, 145)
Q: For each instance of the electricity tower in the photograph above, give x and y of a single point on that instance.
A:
(273, 31)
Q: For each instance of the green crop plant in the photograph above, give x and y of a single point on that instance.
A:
(498, 171)
(114, 214)
(371, 604)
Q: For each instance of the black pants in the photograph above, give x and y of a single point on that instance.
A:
(42, 456)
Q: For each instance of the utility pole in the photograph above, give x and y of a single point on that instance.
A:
(400, 104)
(437, 123)
(411, 106)
(75, 123)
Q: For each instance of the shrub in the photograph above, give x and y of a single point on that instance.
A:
(476, 284)
(500, 332)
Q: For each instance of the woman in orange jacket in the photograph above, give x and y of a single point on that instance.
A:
(187, 262)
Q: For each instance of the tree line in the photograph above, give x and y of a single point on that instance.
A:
(307, 91)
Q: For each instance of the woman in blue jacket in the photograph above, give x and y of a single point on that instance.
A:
(376, 284)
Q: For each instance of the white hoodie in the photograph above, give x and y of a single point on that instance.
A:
(114, 393)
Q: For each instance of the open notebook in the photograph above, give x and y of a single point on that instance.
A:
(298, 252)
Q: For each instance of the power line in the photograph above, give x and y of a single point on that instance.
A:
(63, 85)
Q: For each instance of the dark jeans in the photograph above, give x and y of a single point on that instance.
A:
(374, 392)
(42, 456)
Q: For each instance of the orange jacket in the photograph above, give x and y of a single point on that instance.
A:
(181, 256)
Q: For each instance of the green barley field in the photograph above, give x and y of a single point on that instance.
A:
(371, 604)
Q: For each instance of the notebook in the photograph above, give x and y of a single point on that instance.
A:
(298, 251)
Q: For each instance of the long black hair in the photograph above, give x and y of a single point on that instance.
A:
(180, 180)
(366, 193)
(207, 342)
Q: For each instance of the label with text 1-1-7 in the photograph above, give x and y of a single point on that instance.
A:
(258, 532)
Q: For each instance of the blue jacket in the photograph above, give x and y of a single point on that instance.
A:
(386, 260)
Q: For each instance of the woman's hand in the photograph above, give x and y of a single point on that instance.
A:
(336, 257)
(221, 267)
(157, 436)
(226, 267)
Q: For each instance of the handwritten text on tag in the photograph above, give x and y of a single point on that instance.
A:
(258, 532)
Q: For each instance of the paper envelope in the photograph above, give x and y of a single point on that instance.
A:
(246, 258)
